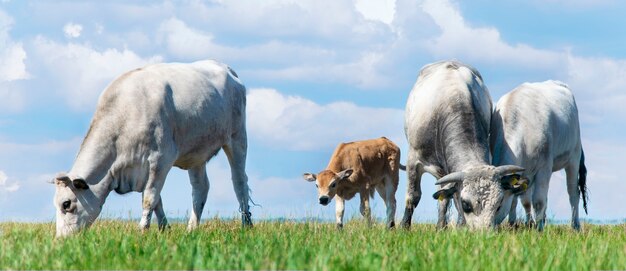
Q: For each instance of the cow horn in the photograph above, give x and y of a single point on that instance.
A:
(508, 169)
(454, 177)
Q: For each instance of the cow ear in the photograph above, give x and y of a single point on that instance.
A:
(509, 181)
(345, 174)
(515, 183)
(80, 184)
(445, 192)
(62, 180)
(309, 177)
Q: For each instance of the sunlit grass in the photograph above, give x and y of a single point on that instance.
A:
(223, 244)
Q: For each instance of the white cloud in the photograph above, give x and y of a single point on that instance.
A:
(183, 41)
(364, 72)
(12, 54)
(304, 20)
(377, 10)
(302, 62)
(83, 72)
(72, 30)
(5, 186)
(482, 44)
(599, 85)
(186, 42)
(295, 123)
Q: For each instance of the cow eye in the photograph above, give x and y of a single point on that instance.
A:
(66, 205)
(467, 207)
(333, 185)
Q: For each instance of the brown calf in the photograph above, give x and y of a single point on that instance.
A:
(360, 167)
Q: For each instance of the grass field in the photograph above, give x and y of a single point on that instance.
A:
(222, 244)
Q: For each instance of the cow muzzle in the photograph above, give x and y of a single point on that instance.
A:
(324, 200)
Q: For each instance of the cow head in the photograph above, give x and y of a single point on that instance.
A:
(483, 191)
(77, 205)
(327, 183)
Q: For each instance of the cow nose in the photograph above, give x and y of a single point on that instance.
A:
(324, 200)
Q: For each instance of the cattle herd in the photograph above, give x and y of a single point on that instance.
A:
(165, 115)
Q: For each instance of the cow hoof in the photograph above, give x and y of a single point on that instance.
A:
(442, 226)
(406, 225)
(340, 226)
(391, 225)
(165, 227)
(192, 227)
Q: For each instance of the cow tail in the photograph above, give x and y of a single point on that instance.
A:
(582, 180)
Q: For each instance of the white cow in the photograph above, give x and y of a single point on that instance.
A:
(447, 126)
(147, 121)
(536, 126)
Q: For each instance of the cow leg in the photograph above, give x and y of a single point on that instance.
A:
(444, 204)
(457, 204)
(540, 196)
(365, 206)
(199, 191)
(513, 211)
(414, 171)
(526, 200)
(571, 171)
(236, 152)
(152, 191)
(390, 201)
(387, 193)
(144, 224)
(339, 210)
(160, 215)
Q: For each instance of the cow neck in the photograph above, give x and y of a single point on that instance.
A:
(502, 155)
(334, 165)
(94, 159)
(459, 154)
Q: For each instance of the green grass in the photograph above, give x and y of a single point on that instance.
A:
(220, 244)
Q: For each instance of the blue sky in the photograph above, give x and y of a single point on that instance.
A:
(318, 73)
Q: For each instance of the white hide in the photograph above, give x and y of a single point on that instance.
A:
(536, 126)
(147, 121)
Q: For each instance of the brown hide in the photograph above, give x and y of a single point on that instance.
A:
(373, 162)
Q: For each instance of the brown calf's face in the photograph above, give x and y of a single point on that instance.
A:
(327, 183)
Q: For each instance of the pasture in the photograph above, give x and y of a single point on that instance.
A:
(223, 244)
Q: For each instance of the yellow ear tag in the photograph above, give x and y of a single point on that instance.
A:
(525, 186)
(440, 197)
(514, 181)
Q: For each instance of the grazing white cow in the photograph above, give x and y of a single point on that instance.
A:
(147, 121)
(447, 126)
(536, 126)
(360, 167)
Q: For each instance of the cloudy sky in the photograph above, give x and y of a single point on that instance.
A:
(317, 72)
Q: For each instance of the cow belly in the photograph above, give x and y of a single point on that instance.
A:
(197, 156)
